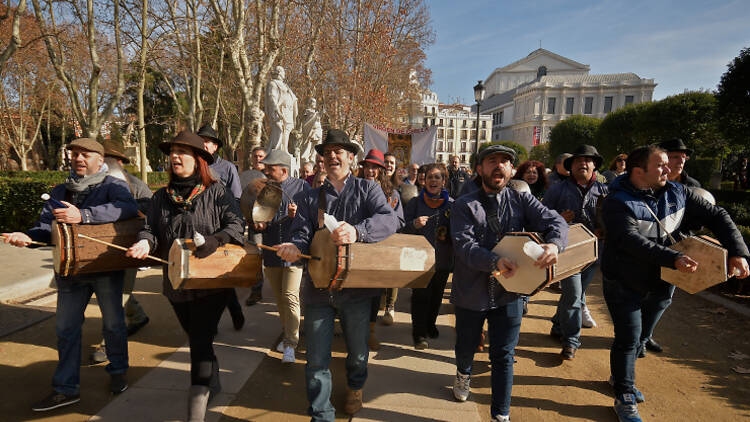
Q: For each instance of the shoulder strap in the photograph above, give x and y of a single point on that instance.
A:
(322, 205)
(491, 211)
(659, 223)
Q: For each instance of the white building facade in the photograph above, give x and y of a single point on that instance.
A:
(527, 98)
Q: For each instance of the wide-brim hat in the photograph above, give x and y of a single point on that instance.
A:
(584, 151)
(496, 149)
(113, 151)
(374, 156)
(675, 145)
(87, 144)
(206, 131)
(188, 139)
(337, 137)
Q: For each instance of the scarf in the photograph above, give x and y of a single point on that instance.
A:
(434, 201)
(180, 187)
(77, 184)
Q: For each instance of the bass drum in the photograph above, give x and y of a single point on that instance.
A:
(230, 266)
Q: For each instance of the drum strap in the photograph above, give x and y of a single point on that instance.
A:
(659, 223)
(342, 268)
(322, 204)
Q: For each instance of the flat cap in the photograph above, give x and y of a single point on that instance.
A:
(278, 157)
(87, 144)
(496, 149)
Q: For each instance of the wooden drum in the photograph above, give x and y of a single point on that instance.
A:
(712, 264)
(401, 260)
(230, 266)
(529, 279)
(73, 255)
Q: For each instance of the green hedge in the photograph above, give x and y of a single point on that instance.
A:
(701, 168)
(50, 177)
(20, 202)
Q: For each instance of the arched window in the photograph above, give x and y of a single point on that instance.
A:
(541, 71)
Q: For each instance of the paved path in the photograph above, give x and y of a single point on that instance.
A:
(693, 379)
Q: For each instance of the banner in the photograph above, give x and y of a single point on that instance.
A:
(408, 145)
(537, 136)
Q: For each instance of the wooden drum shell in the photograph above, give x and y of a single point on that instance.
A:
(712, 264)
(230, 266)
(401, 260)
(73, 255)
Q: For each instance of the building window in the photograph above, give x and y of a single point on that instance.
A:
(463, 124)
(607, 104)
(629, 99)
(440, 146)
(463, 134)
(588, 105)
(484, 124)
(432, 122)
(426, 122)
(500, 118)
(440, 158)
(497, 136)
(483, 135)
(450, 133)
(441, 122)
(463, 146)
(433, 111)
(551, 105)
(569, 102)
(440, 133)
(425, 110)
(450, 146)
(463, 158)
(450, 122)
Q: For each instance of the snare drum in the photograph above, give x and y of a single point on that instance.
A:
(401, 260)
(230, 266)
(529, 279)
(73, 255)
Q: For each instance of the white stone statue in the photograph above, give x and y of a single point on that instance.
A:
(312, 131)
(281, 109)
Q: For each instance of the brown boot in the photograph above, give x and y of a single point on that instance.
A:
(372, 342)
(353, 401)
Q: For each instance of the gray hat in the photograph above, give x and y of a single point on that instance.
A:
(495, 149)
(278, 157)
(87, 144)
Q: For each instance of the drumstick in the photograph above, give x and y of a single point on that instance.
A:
(271, 248)
(112, 245)
(32, 242)
(497, 274)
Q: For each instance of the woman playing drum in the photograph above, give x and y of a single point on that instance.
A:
(429, 215)
(193, 203)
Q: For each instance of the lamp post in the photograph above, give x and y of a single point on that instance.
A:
(478, 97)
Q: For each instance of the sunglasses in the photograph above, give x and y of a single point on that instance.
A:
(620, 160)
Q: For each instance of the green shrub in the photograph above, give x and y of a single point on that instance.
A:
(745, 230)
(51, 177)
(158, 178)
(740, 212)
(20, 202)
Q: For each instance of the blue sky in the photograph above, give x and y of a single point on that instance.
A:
(681, 44)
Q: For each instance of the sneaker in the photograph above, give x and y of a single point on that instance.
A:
(288, 355)
(99, 355)
(353, 401)
(639, 397)
(627, 409)
(461, 386)
(280, 347)
(501, 418)
(420, 343)
(118, 383)
(587, 321)
(55, 400)
(388, 316)
(255, 297)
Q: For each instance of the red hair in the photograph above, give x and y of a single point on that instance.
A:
(541, 182)
(205, 176)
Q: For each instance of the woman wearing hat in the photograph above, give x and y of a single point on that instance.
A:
(429, 215)
(373, 168)
(192, 203)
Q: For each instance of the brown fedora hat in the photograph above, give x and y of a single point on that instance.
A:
(188, 139)
(111, 150)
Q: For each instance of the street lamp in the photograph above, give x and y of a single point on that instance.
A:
(478, 97)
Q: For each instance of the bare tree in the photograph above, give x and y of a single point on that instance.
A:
(21, 122)
(15, 37)
(91, 105)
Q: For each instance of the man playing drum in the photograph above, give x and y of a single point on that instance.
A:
(478, 221)
(642, 212)
(365, 216)
(284, 277)
(90, 197)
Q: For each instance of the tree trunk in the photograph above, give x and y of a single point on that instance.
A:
(141, 89)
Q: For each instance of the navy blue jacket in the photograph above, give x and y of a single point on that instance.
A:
(637, 247)
(277, 230)
(360, 203)
(227, 174)
(473, 241)
(106, 202)
(567, 195)
(441, 222)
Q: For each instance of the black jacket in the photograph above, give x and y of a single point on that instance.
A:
(636, 247)
(456, 179)
(215, 210)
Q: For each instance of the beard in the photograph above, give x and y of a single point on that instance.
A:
(489, 182)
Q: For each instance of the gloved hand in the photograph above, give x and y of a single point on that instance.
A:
(213, 242)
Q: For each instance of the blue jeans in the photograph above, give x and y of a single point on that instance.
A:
(504, 326)
(567, 319)
(355, 322)
(626, 308)
(72, 299)
(654, 306)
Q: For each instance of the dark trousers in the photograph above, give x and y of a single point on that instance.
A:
(200, 318)
(425, 304)
(504, 327)
(233, 304)
(627, 308)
